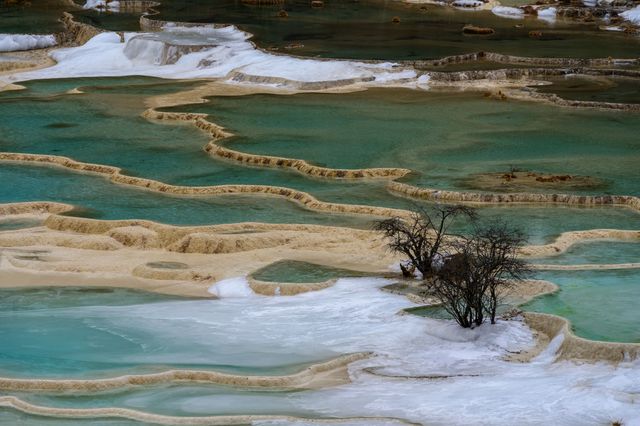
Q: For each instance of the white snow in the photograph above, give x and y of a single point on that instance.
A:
(13, 42)
(508, 12)
(450, 375)
(223, 53)
(233, 287)
(102, 5)
(548, 14)
(632, 15)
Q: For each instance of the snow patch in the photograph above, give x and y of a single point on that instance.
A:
(632, 15)
(14, 42)
(102, 5)
(232, 288)
(548, 14)
(508, 12)
(206, 52)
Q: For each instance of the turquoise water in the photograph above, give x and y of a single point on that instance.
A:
(185, 401)
(34, 299)
(11, 224)
(595, 252)
(109, 332)
(118, 136)
(291, 271)
(14, 418)
(100, 199)
(411, 129)
(601, 305)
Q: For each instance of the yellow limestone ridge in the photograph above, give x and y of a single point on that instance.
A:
(316, 375)
(567, 239)
(141, 416)
(578, 348)
(521, 60)
(286, 289)
(204, 264)
(217, 133)
(411, 191)
(36, 208)
(114, 174)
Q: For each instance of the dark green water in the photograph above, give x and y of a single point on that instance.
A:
(584, 88)
(357, 29)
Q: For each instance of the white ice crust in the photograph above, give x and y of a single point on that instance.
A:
(222, 53)
(14, 42)
(232, 287)
(632, 15)
(548, 14)
(452, 376)
(508, 12)
(102, 5)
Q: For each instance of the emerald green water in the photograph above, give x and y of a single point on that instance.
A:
(413, 129)
(601, 305)
(596, 252)
(291, 271)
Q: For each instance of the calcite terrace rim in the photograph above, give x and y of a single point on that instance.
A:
(302, 379)
(143, 416)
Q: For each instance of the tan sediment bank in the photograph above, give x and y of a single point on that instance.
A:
(36, 207)
(337, 247)
(286, 289)
(577, 348)
(133, 254)
(217, 133)
(141, 416)
(430, 194)
(586, 267)
(567, 239)
(114, 174)
(75, 33)
(329, 373)
(95, 249)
